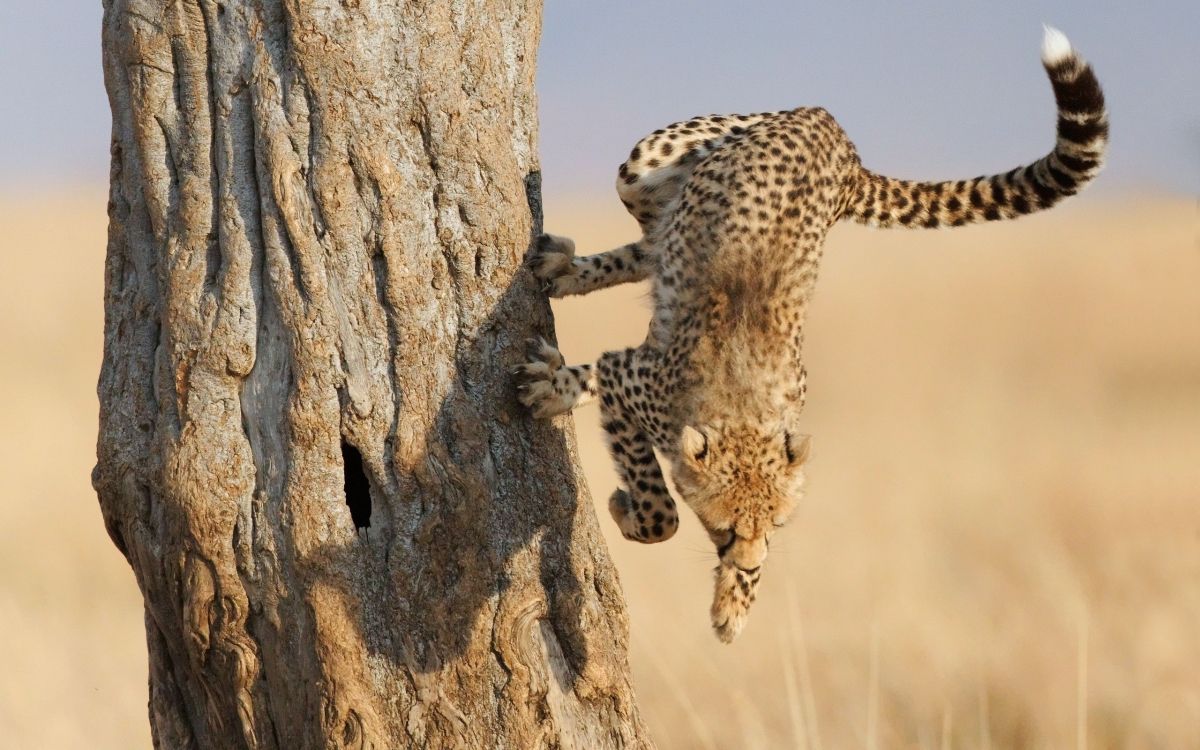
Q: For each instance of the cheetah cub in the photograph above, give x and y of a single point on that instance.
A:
(734, 211)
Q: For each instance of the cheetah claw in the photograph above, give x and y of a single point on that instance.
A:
(552, 262)
(538, 386)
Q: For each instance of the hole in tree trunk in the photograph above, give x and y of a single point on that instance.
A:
(358, 490)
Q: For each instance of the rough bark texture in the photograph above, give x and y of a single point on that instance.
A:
(317, 219)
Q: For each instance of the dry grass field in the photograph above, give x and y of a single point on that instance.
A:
(1000, 546)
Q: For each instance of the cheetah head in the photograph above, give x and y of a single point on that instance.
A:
(743, 482)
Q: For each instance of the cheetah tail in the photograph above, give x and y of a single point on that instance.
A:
(1076, 159)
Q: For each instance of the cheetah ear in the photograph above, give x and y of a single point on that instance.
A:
(694, 444)
(797, 447)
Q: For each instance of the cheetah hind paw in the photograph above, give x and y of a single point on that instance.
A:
(538, 386)
(635, 529)
(552, 262)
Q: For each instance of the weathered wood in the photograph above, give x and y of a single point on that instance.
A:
(317, 218)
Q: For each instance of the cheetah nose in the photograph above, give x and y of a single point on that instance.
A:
(747, 554)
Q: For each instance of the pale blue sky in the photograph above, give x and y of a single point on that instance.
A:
(927, 89)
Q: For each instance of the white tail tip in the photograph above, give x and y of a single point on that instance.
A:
(1055, 46)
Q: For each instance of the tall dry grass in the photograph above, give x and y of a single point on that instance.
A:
(1000, 546)
(72, 649)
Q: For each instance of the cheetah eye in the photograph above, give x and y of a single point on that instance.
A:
(796, 447)
(695, 443)
(723, 548)
(721, 537)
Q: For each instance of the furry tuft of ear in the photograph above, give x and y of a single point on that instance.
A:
(797, 447)
(694, 443)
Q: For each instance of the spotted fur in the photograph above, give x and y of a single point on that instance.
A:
(734, 210)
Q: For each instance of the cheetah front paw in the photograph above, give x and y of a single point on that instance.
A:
(735, 591)
(543, 383)
(637, 523)
(553, 263)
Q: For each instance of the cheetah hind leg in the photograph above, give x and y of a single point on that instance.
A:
(547, 386)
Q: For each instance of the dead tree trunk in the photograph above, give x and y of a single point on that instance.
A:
(313, 295)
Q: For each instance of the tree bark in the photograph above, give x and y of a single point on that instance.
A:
(313, 295)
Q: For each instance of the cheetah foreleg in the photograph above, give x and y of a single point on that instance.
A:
(735, 590)
(548, 386)
(643, 510)
(562, 274)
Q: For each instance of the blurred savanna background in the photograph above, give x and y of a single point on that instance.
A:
(1000, 545)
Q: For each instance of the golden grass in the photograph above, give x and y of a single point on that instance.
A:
(1006, 478)
(72, 643)
(1000, 546)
